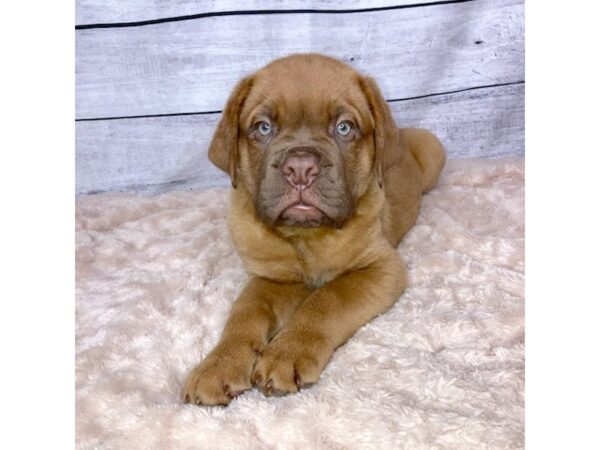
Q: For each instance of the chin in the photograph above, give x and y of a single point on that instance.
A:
(297, 213)
(301, 215)
(304, 216)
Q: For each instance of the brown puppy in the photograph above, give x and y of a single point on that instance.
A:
(325, 186)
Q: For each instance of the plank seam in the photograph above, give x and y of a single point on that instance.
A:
(512, 83)
(260, 12)
(394, 100)
(147, 116)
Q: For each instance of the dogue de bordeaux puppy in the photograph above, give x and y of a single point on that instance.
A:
(324, 188)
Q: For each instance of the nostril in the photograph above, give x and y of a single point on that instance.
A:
(312, 171)
(288, 170)
(310, 175)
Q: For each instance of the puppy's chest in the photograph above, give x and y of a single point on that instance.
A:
(299, 261)
(321, 264)
(313, 257)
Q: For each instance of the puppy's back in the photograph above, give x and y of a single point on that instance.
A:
(427, 151)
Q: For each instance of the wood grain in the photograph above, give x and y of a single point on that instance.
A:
(486, 122)
(157, 154)
(102, 11)
(192, 65)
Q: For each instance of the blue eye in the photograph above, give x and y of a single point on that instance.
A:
(264, 128)
(344, 128)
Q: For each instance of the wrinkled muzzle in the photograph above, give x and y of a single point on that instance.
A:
(304, 187)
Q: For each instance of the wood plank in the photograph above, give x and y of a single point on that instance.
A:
(191, 66)
(102, 11)
(476, 123)
(130, 154)
(158, 154)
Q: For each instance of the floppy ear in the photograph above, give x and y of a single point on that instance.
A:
(223, 150)
(385, 132)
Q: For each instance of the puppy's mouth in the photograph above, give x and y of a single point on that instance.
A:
(302, 215)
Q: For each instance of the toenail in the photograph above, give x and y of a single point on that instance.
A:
(234, 394)
(297, 379)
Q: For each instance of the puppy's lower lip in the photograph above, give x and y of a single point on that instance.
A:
(301, 213)
(303, 207)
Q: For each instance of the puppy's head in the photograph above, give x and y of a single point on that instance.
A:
(306, 136)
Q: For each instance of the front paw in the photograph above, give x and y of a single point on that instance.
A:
(291, 361)
(222, 376)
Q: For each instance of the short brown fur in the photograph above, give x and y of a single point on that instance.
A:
(313, 283)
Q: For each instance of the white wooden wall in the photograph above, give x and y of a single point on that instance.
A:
(152, 76)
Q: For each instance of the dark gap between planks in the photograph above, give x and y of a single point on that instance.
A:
(260, 12)
(394, 100)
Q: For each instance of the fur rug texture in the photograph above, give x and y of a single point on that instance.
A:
(443, 369)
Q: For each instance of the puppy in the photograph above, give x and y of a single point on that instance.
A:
(324, 187)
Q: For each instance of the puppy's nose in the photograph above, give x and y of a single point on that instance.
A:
(300, 169)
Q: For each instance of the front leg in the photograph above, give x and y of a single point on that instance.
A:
(261, 310)
(325, 320)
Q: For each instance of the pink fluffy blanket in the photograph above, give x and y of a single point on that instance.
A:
(444, 368)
